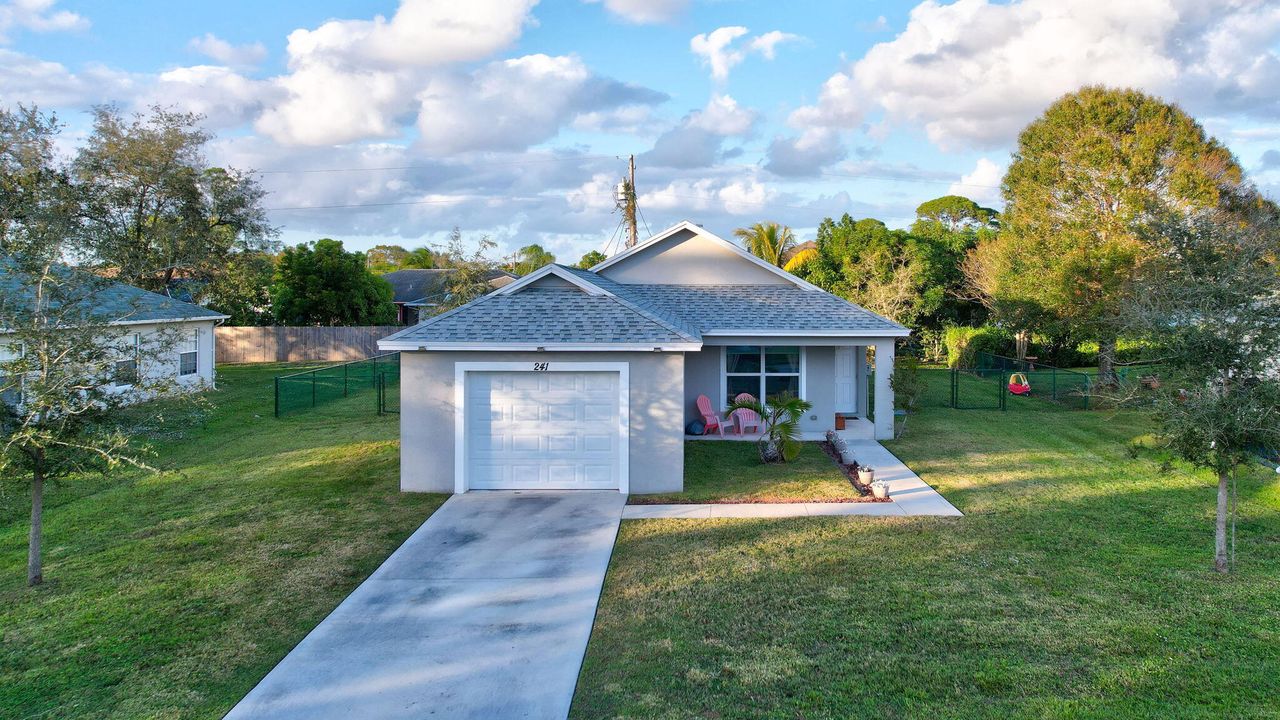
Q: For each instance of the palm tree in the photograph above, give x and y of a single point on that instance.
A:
(768, 241)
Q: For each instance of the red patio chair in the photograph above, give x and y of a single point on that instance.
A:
(710, 421)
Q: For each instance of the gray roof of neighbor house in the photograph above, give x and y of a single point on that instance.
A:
(108, 300)
(629, 314)
(430, 286)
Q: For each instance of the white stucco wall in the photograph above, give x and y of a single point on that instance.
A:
(161, 336)
(686, 258)
(427, 406)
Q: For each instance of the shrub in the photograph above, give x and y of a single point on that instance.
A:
(964, 343)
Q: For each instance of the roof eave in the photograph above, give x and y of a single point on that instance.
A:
(432, 345)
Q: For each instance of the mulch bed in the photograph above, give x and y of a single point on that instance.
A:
(851, 473)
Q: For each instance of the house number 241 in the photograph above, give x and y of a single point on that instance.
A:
(540, 367)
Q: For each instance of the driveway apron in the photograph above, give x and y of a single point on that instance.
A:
(484, 612)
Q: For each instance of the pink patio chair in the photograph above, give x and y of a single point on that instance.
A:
(745, 418)
(710, 420)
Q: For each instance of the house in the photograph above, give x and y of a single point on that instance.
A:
(415, 289)
(183, 330)
(571, 378)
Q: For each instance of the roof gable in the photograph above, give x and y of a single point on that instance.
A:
(687, 254)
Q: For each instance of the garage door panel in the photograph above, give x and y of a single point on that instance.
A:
(542, 429)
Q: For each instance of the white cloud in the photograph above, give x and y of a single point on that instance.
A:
(512, 104)
(972, 73)
(697, 140)
(767, 43)
(52, 85)
(982, 184)
(643, 12)
(805, 154)
(37, 16)
(355, 79)
(224, 97)
(718, 52)
(421, 33)
(224, 52)
(736, 197)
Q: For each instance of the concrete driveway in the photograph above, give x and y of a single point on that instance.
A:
(484, 612)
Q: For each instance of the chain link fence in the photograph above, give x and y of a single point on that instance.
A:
(376, 377)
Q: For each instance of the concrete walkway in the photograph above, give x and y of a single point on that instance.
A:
(484, 612)
(910, 496)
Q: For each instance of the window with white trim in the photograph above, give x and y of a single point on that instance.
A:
(189, 354)
(10, 385)
(126, 368)
(762, 371)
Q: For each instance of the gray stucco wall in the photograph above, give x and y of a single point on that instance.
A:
(656, 449)
(702, 377)
(689, 259)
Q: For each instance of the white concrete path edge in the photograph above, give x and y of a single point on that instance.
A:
(910, 496)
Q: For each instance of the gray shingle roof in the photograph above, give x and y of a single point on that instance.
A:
(109, 300)
(540, 315)
(643, 314)
(759, 307)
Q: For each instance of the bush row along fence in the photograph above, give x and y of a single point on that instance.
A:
(298, 344)
(378, 377)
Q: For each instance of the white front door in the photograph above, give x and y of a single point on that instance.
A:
(846, 380)
(542, 430)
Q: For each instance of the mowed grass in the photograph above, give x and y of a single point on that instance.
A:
(731, 472)
(170, 595)
(1078, 585)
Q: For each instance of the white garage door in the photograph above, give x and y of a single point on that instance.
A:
(548, 430)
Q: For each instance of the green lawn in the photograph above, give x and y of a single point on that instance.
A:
(171, 595)
(1079, 585)
(731, 472)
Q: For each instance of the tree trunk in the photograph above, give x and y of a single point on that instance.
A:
(1220, 527)
(35, 574)
(1107, 361)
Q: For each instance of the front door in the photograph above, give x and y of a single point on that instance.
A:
(846, 380)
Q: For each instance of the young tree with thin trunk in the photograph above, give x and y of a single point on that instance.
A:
(1210, 301)
(67, 369)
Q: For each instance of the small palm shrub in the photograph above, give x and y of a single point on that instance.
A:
(781, 424)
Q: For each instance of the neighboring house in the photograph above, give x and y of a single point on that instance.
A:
(417, 289)
(142, 316)
(571, 378)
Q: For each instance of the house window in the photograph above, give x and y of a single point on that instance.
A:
(126, 368)
(189, 354)
(761, 371)
(10, 385)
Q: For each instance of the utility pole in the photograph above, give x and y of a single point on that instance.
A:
(629, 210)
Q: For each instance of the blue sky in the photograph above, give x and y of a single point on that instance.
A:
(511, 117)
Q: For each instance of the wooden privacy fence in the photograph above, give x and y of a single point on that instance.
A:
(298, 344)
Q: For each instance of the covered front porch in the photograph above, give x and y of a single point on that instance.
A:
(838, 375)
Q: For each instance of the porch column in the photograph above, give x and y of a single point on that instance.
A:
(860, 380)
(884, 394)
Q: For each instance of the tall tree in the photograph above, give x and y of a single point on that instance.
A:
(420, 258)
(1210, 301)
(592, 259)
(1087, 180)
(530, 258)
(155, 209)
(385, 258)
(323, 284)
(471, 270)
(768, 241)
(61, 358)
(243, 289)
